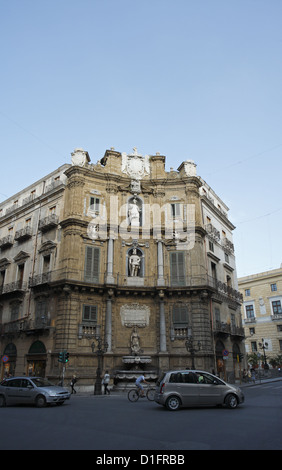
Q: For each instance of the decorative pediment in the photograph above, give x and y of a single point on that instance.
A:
(4, 263)
(47, 247)
(21, 256)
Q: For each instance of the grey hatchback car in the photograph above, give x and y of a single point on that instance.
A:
(186, 388)
(31, 390)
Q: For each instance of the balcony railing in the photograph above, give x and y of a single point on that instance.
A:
(38, 279)
(17, 286)
(47, 223)
(24, 325)
(6, 242)
(123, 280)
(23, 234)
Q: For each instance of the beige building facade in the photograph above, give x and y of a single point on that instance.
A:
(127, 267)
(262, 313)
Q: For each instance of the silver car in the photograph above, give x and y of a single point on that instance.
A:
(31, 390)
(180, 388)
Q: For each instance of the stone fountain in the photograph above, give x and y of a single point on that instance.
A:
(135, 365)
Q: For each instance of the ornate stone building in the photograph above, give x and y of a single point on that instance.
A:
(262, 314)
(125, 263)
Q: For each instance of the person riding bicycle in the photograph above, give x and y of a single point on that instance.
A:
(138, 384)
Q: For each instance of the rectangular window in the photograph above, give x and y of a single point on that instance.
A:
(92, 259)
(213, 270)
(89, 313)
(177, 268)
(180, 316)
(175, 209)
(217, 315)
(247, 292)
(276, 307)
(41, 313)
(15, 311)
(94, 204)
(254, 346)
(273, 287)
(250, 311)
(20, 276)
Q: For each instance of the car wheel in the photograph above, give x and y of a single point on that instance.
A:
(173, 403)
(40, 401)
(231, 401)
(2, 401)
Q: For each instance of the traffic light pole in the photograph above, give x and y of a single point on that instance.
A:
(63, 358)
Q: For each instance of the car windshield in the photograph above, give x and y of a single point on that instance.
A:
(41, 382)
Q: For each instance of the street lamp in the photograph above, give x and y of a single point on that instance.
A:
(189, 343)
(264, 346)
(101, 349)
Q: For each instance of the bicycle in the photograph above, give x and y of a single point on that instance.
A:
(135, 393)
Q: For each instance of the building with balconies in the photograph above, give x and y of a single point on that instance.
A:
(125, 251)
(28, 251)
(262, 314)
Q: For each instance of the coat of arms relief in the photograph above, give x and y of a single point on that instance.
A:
(135, 165)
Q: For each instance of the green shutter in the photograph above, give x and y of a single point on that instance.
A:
(92, 261)
(180, 316)
(177, 268)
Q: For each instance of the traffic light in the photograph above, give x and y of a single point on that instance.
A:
(61, 356)
(67, 356)
(240, 357)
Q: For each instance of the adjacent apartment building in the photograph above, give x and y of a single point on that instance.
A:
(123, 265)
(262, 313)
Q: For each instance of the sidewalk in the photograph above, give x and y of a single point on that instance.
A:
(259, 381)
(120, 393)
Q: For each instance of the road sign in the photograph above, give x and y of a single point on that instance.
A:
(225, 353)
(5, 358)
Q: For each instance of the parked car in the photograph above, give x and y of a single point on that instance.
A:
(185, 388)
(31, 390)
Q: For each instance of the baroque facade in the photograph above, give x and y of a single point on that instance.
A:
(124, 257)
(262, 313)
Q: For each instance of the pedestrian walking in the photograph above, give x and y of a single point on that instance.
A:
(106, 380)
(72, 384)
(253, 376)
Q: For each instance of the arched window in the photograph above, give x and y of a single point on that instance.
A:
(10, 350)
(37, 348)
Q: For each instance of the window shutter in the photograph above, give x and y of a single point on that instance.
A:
(180, 315)
(177, 267)
(92, 258)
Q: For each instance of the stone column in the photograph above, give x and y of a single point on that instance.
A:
(161, 281)
(108, 323)
(162, 324)
(110, 276)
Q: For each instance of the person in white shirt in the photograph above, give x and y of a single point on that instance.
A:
(138, 384)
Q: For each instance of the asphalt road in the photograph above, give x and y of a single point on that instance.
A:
(113, 423)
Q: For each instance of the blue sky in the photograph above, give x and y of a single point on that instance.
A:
(191, 79)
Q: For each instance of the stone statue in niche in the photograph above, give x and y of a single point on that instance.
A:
(133, 213)
(134, 263)
(134, 343)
